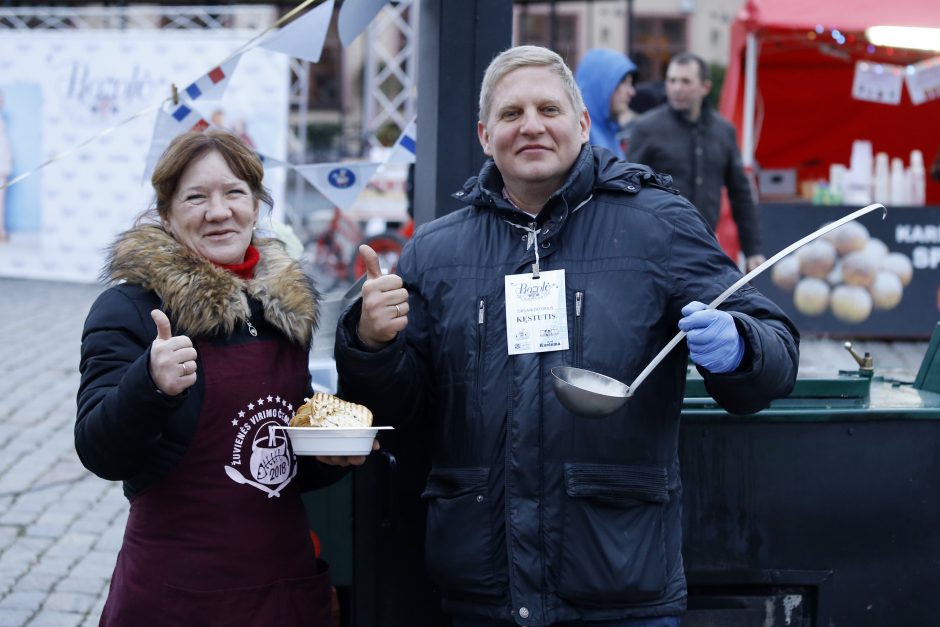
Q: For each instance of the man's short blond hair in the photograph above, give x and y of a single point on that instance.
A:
(527, 56)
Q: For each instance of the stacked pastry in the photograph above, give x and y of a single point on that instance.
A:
(326, 410)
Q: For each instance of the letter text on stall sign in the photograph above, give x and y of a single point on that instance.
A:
(925, 257)
(917, 234)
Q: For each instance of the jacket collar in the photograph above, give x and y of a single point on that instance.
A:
(207, 300)
(595, 169)
(704, 118)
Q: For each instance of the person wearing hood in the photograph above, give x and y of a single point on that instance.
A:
(564, 255)
(606, 80)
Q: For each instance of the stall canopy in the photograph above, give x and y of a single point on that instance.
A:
(804, 115)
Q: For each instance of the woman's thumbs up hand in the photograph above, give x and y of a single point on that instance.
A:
(172, 358)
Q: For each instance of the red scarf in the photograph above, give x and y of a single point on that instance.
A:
(245, 269)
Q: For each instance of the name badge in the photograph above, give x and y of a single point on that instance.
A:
(536, 313)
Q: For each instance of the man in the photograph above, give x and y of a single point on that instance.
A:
(605, 78)
(688, 140)
(536, 515)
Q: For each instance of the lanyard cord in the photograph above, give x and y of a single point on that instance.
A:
(533, 238)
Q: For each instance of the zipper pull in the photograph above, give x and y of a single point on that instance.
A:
(481, 311)
(578, 298)
(251, 328)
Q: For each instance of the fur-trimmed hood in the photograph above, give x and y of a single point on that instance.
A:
(205, 299)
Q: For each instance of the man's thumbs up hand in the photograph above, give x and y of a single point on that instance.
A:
(384, 303)
(172, 358)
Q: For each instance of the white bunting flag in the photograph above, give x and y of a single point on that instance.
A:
(303, 38)
(354, 16)
(341, 183)
(923, 80)
(212, 84)
(877, 82)
(170, 123)
(405, 148)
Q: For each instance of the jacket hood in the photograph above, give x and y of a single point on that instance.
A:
(598, 75)
(207, 300)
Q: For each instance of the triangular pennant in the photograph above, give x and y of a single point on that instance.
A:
(341, 183)
(303, 38)
(405, 148)
(354, 16)
(270, 162)
(212, 84)
(170, 123)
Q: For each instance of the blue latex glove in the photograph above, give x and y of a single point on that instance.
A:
(714, 341)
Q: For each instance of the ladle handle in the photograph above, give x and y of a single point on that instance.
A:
(750, 275)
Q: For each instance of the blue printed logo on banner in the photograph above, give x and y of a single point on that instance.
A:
(341, 178)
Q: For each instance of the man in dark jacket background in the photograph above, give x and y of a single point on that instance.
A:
(563, 256)
(691, 142)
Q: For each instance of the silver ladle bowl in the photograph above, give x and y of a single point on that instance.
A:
(592, 394)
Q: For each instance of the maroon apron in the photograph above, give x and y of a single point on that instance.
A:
(223, 539)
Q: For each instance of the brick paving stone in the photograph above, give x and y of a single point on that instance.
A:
(72, 544)
(81, 582)
(12, 571)
(47, 530)
(19, 600)
(97, 564)
(55, 619)
(37, 582)
(71, 602)
(8, 533)
(54, 565)
(13, 618)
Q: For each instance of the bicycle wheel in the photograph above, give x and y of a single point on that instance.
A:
(388, 246)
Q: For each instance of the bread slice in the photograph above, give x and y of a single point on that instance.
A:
(326, 410)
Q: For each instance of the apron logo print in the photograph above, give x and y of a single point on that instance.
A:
(271, 461)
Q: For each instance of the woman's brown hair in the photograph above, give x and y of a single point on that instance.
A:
(186, 148)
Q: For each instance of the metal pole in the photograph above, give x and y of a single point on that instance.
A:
(750, 95)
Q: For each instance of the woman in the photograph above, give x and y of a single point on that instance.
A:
(187, 363)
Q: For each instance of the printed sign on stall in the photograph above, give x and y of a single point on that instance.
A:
(878, 82)
(869, 278)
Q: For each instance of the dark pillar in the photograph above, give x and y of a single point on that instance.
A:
(456, 41)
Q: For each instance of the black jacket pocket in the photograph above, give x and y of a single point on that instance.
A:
(459, 545)
(614, 548)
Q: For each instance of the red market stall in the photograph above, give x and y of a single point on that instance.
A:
(789, 91)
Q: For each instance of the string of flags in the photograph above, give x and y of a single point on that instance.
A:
(343, 182)
(302, 38)
(883, 82)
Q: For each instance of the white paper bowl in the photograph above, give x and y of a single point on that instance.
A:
(332, 440)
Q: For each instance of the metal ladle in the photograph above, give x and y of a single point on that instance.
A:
(592, 394)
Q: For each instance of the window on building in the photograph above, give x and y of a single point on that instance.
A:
(533, 26)
(326, 90)
(656, 40)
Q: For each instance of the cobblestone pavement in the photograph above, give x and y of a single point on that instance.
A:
(60, 526)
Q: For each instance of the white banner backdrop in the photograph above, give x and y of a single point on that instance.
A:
(58, 89)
